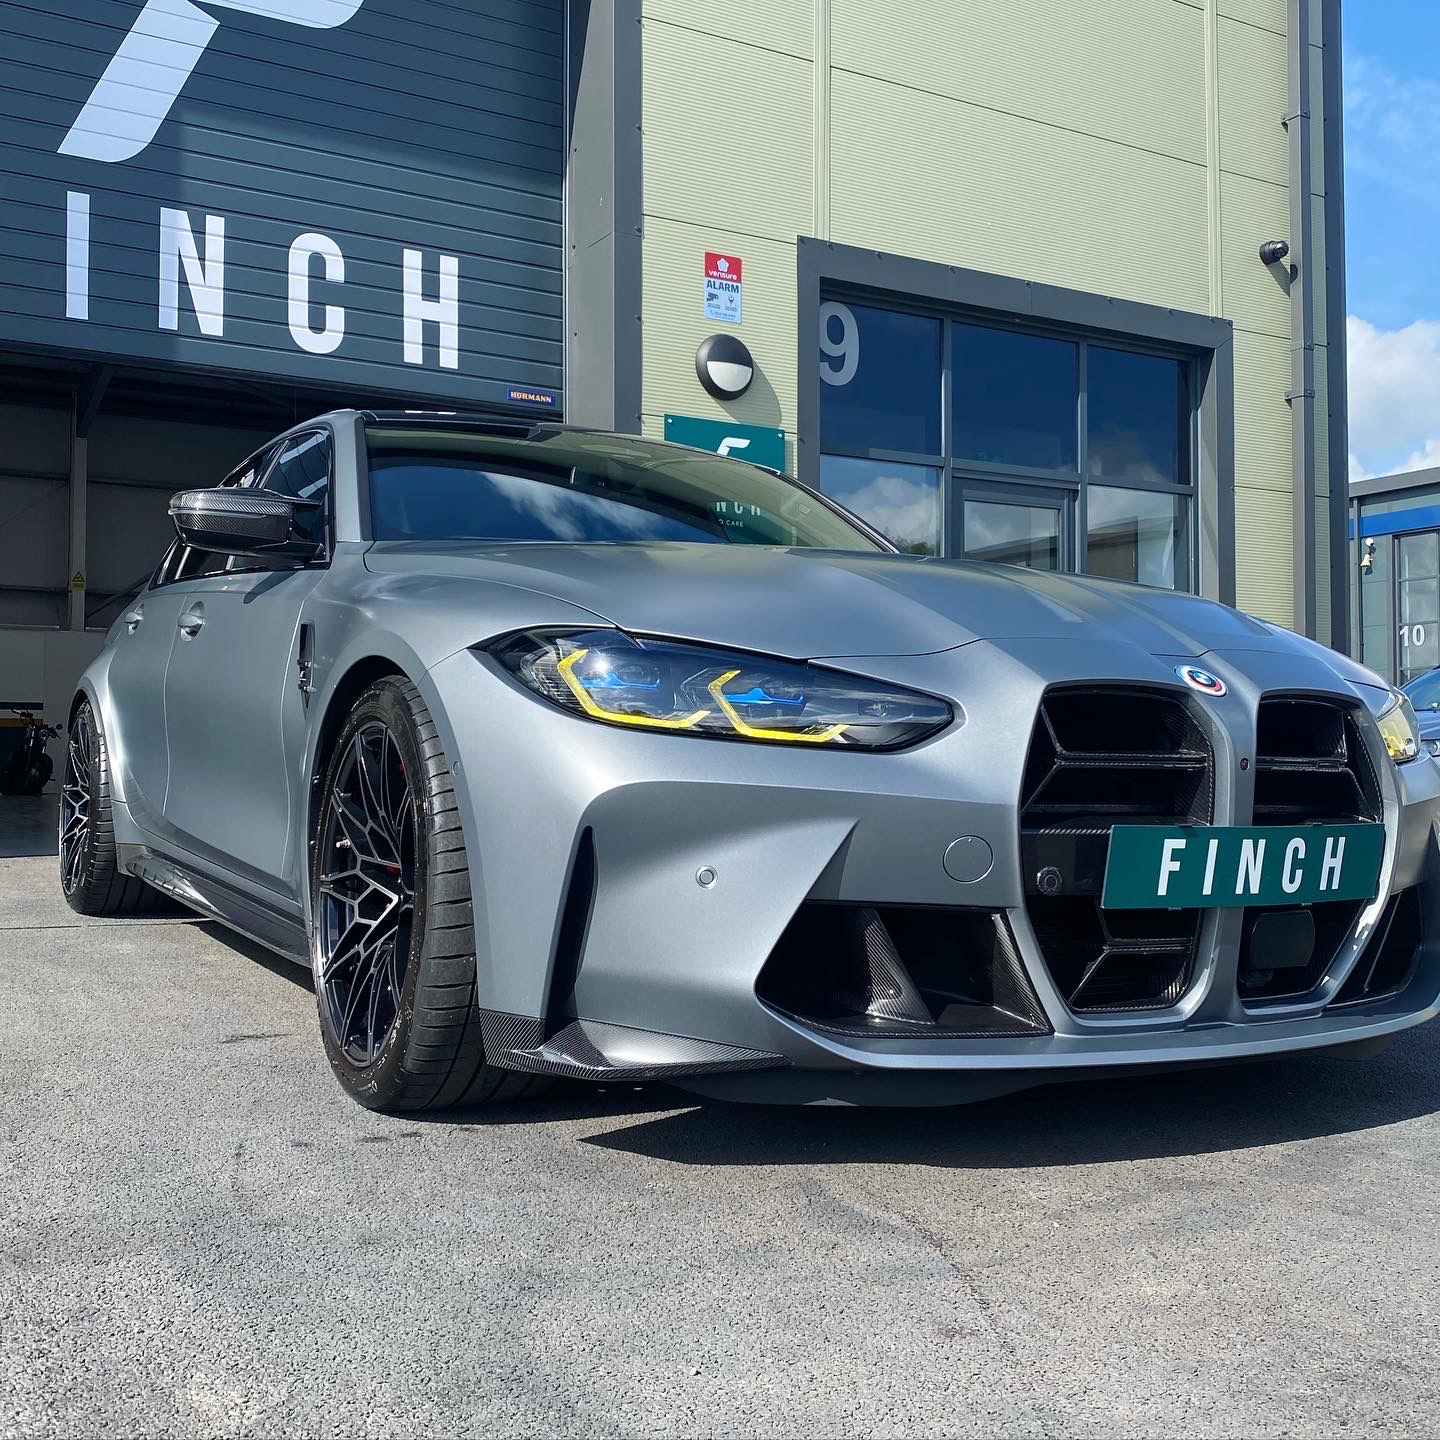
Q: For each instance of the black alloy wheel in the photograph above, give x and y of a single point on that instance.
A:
(392, 922)
(366, 892)
(91, 877)
(75, 797)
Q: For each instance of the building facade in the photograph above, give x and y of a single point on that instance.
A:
(998, 273)
(1395, 555)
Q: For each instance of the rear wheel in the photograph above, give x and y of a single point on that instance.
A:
(394, 932)
(90, 873)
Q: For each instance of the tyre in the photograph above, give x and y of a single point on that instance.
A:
(90, 874)
(394, 939)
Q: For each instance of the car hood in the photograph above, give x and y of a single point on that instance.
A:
(810, 604)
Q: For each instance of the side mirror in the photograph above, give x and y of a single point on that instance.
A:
(242, 522)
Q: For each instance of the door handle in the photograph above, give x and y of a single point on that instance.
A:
(133, 619)
(191, 621)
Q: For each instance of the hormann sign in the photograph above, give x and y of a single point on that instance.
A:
(360, 193)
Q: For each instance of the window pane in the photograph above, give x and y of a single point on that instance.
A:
(1420, 554)
(901, 501)
(303, 473)
(1014, 398)
(1013, 534)
(1138, 535)
(880, 374)
(1138, 416)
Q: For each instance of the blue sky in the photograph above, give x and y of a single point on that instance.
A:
(1392, 200)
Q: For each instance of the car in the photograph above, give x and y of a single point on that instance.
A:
(559, 753)
(1424, 693)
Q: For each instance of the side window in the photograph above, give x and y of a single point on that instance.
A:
(302, 470)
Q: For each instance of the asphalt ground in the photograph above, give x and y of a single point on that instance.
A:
(201, 1236)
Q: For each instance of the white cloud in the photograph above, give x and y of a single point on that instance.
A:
(1394, 396)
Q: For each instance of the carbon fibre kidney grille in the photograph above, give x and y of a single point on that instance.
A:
(1102, 756)
(1311, 767)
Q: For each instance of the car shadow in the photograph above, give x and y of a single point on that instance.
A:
(298, 975)
(1189, 1113)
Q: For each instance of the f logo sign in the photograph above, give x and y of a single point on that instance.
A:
(145, 76)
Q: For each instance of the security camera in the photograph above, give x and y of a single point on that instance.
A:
(1367, 558)
(146, 74)
(1272, 252)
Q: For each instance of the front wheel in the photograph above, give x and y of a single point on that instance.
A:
(394, 939)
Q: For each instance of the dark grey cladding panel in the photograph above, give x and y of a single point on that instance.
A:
(381, 126)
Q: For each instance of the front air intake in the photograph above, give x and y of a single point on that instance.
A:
(1102, 756)
(901, 971)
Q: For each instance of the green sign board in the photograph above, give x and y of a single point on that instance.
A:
(755, 443)
(1162, 867)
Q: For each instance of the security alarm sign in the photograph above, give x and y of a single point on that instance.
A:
(724, 294)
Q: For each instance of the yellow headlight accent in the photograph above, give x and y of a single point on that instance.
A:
(1401, 741)
(649, 722)
(752, 732)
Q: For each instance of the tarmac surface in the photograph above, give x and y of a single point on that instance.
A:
(201, 1236)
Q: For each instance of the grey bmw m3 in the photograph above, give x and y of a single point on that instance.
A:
(562, 753)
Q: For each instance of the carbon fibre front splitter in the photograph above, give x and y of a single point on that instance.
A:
(593, 1050)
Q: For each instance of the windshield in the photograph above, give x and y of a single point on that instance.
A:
(454, 485)
(1424, 691)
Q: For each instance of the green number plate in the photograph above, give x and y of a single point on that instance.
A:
(1158, 867)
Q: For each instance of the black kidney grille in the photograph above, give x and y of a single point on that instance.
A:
(1099, 757)
(1311, 765)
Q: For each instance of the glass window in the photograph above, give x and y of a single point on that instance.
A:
(1014, 398)
(1420, 554)
(443, 485)
(1424, 693)
(880, 380)
(901, 501)
(302, 471)
(1009, 534)
(1418, 609)
(1138, 417)
(1137, 535)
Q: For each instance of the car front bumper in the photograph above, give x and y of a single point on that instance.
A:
(630, 887)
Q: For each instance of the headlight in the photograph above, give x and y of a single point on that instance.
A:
(688, 689)
(1395, 716)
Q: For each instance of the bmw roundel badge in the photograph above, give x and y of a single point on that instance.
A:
(1201, 680)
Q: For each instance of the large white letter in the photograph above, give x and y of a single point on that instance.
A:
(445, 311)
(206, 282)
(1210, 854)
(77, 255)
(317, 342)
(1169, 863)
(1252, 861)
(1290, 880)
(1333, 862)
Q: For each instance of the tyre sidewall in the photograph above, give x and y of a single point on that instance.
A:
(375, 1084)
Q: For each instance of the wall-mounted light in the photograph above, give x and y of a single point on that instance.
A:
(724, 366)
(1272, 252)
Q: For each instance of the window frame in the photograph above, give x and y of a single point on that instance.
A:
(1203, 344)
